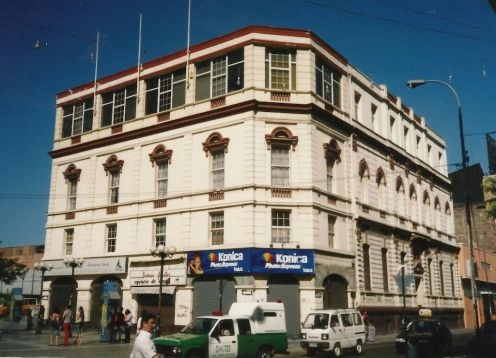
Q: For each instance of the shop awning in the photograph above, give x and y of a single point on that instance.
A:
(152, 290)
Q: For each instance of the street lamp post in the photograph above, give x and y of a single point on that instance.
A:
(42, 267)
(468, 218)
(73, 262)
(161, 251)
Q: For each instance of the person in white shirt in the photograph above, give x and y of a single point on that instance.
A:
(143, 345)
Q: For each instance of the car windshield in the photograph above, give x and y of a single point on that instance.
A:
(316, 320)
(200, 326)
(422, 327)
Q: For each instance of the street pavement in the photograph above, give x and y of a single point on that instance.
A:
(16, 341)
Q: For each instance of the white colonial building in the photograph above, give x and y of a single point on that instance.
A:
(276, 169)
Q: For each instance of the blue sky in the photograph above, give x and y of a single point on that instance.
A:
(390, 41)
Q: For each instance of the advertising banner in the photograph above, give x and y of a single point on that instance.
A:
(282, 261)
(251, 260)
(216, 262)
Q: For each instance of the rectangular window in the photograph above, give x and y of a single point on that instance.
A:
(452, 272)
(441, 277)
(280, 165)
(328, 83)
(218, 169)
(165, 92)
(217, 228)
(119, 106)
(374, 125)
(385, 276)
(221, 75)
(160, 230)
(114, 187)
(280, 69)
(111, 237)
(366, 266)
(77, 118)
(346, 319)
(429, 268)
(281, 226)
(357, 106)
(162, 178)
(72, 193)
(69, 241)
(331, 223)
(330, 171)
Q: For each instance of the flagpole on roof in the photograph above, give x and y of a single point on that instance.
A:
(95, 84)
(139, 60)
(187, 44)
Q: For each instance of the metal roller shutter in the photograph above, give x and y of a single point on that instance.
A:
(286, 290)
(206, 296)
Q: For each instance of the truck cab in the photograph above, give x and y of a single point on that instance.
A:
(249, 330)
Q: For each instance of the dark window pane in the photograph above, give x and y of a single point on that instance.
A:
(202, 87)
(130, 108)
(180, 75)
(202, 67)
(67, 127)
(236, 56)
(88, 121)
(106, 115)
(151, 83)
(151, 102)
(235, 78)
(179, 93)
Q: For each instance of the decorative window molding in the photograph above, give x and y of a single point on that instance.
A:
(363, 169)
(281, 136)
(447, 209)
(380, 177)
(160, 154)
(400, 187)
(71, 173)
(113, 164)
(437, 204)
(332, 151)
(426, 199)
(413, 192)
(215, 142)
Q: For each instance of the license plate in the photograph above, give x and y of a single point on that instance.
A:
(312, 344)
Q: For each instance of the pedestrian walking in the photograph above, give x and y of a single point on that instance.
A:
(121, 324)
(143, 345)
(67, 317)
(140, 321)
(128, 320)
(54, 327)
(79, 322)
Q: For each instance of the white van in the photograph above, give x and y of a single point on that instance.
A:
(332, 330)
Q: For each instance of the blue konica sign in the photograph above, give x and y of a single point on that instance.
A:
(282, 261)
(251, 260)
(217, 262)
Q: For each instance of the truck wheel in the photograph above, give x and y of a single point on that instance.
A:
(359, 347)
(264, 352)
(337, 350)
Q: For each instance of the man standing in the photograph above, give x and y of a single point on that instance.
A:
(143, 345)
(67, 316)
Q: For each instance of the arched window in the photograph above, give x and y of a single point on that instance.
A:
(437, 213)
(216, 145)
(426, 212)
(160, 158)
(400, 196)
(279, 143)
(413, 203)
(364, 174)
(332, 153)
(71, 175)
(113, 166)
(381, 188)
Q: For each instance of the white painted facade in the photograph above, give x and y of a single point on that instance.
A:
(374, 137)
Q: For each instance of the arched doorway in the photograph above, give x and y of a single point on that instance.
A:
(285, 289)
(95, 314)
(335, 292)
(63, 292)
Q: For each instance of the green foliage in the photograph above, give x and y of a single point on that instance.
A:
(10, 270)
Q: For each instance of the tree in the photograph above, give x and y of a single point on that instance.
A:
(490, 197)
(10, 270)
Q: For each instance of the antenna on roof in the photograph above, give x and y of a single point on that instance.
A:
(187, 44)
(95, 84)
(139, 60)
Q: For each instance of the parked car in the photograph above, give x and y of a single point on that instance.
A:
(431, 337)
(484, 340)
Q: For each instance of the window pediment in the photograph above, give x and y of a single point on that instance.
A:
(113, 165)
(332, 151)
(160, 155)
(72, 173)
(215, 142)
(281, 136)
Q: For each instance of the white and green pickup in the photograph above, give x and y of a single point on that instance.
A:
(251, 329)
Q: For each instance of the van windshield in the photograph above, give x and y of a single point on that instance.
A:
(316, 321)
(200, 326)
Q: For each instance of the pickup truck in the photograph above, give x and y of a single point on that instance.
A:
(251, 329)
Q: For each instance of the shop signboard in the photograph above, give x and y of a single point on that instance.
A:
(218, 262)
(282, 261)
